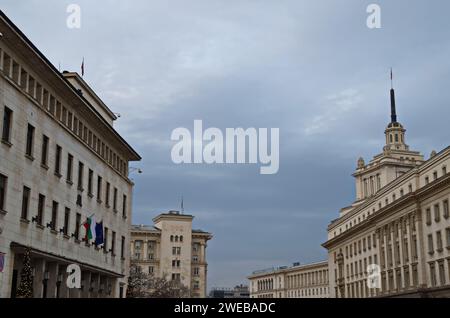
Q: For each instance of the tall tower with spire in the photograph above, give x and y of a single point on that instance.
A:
(395, 160)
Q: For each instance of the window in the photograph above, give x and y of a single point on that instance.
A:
(171, 238)
(80, 175)
(66, 221)
(437, 213)
(410, 188)
(105, 240)
(58, 160)
(122, 248)
(446, 211)
(196, 271)
(77, 226)
(174, 251)
(115, 200)
(91, 176)
(30, 139)
(150, 269)
(108, 186)
(444, 170)
(430, 244)
(428, 216)
(25, 202)
(41, 207)
(181, 238)
(124, 206)
(195, 258)
(44, 158)
(441, 272)
(54, 215)
(99, 189)
(439, 241)
(435, 175)
(447, 230)
(69, 167)
(433, 274)
(427, 180)
(7, 120)
(113, 243)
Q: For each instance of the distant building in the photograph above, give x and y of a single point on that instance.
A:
(172, 249)
(298, 281)
(399, 224)
(240, 291)
(61, 161)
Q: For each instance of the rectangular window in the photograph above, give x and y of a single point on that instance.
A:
(25, 203)
(115, 200)
(91, 176)
(69, 167)
(122, 248)
(54, 215)
(439, 241)
(441, 273)
(124, 206)
(428, 216)
(58, 160)
(77, 226)
(113, 243)
(7, 120)
(432, 275)
(447, 230)
(105, 240)
(446, 210)
(430, 244)
(66, 221)
(437, 213)
(80, 175)
(30, 141)
(41, 207)
(108, 186)
(99, 189)
(44, 158)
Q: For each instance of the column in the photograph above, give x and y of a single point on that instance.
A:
(52, 269)
(39, 268)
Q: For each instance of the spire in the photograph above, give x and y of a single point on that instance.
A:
(393, 110)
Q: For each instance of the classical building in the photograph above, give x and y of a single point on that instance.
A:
(172, 249)
(298, 281)
(61, 163)
(399, 224)
(239, 291)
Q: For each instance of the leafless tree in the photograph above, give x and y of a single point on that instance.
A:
(143, 285)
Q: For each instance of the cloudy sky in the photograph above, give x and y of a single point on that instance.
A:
(311, 68)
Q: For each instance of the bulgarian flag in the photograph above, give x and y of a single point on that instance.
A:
(89, 226)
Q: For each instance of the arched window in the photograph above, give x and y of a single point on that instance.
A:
(396, 137)
(176, 238)
(390, 138)
(181, 238)
(171, 238)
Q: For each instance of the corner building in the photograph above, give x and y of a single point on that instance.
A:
(171, 248)
(399, 222)
(61, 162)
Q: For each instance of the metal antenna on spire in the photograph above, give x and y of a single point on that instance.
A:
(392, 80)
(393, 110)
(182, 205)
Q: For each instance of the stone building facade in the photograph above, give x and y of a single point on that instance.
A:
(397, 232)
(172, 249)
(61, 162)
(298, 281)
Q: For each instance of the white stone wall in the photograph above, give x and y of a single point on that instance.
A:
(22, 171)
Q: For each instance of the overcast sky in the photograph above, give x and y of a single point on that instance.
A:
(311, 68)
